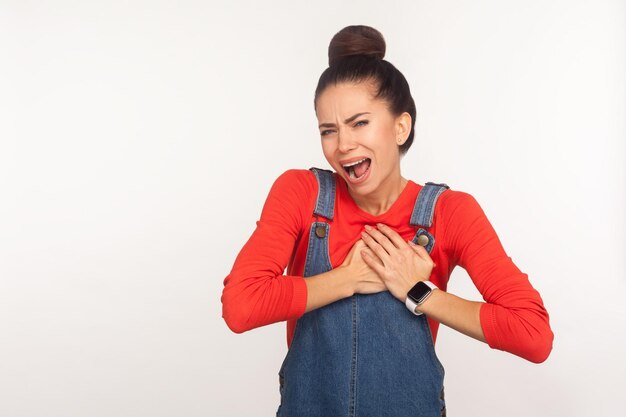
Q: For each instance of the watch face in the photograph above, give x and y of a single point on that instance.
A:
(419, 291)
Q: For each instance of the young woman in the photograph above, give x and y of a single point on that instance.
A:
(368, 256)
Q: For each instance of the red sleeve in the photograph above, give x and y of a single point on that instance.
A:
(513, 318)
(256, 292)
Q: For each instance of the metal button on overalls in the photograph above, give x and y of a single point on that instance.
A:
(366, 355)
(422, 240)
(320, 231)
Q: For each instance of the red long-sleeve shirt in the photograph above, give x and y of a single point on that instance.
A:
(256, 293)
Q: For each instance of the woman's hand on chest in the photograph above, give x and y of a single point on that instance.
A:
(399, 264)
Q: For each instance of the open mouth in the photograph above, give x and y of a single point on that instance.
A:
(358, 169)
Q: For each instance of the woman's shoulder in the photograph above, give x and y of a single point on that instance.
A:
(290, 197)
(455, 197)
(295, 188)
(296, 179)
(450, 199)
(457, 204)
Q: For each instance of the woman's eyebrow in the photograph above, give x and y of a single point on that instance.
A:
(348, 120)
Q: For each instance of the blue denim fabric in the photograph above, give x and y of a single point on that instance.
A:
(366, 355)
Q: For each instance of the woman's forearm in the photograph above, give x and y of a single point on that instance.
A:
(326, 288)
(455, 312)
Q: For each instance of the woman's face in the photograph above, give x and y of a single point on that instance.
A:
(353, 126)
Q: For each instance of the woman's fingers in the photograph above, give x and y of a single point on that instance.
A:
(421, 251)
(392, 235)
(370, 258)
(378, 243)
(386, 237)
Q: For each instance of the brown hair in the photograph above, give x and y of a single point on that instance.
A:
(355, 54)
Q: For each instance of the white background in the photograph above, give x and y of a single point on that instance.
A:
(139, 139)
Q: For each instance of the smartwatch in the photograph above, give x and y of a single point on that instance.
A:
(418, 294)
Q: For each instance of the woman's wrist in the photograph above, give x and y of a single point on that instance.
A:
(425, 306)
(346, 280)
(455, 312)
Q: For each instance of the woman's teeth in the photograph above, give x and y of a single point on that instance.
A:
(363, 165)
(351, 164)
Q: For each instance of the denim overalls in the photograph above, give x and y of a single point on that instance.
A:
(366, 355)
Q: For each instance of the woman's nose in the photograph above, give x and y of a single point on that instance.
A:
(346, 142)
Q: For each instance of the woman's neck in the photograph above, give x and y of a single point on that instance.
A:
(381, 199)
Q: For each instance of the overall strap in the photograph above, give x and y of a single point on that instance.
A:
(424, 208)
(423, 212)
(317, 257)
(325, 205)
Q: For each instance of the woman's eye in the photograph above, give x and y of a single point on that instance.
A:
(324, 132)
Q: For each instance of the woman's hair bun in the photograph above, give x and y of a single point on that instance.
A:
(356, 40)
